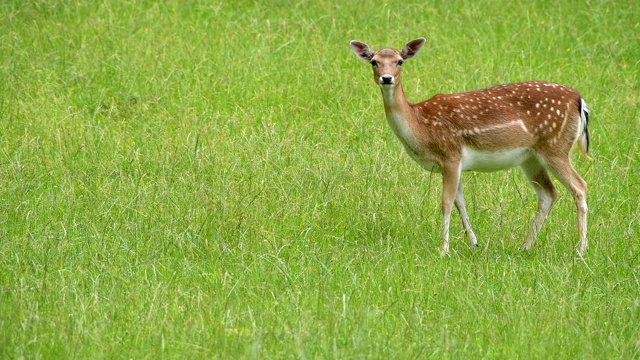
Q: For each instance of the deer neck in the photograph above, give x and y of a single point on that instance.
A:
(399, 112)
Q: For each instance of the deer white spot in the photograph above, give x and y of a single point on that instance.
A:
(558, 112)
(524, 127)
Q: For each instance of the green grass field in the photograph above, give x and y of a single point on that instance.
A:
(197, 179)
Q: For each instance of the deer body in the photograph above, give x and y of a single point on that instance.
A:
(532, 124)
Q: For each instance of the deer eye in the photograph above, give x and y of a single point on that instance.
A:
(374, 63)
(400, 62)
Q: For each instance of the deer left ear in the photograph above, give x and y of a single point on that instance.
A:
(411, 49)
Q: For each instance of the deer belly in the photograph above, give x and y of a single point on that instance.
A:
(474, 160)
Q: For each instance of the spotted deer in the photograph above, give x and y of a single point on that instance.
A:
(530, 124)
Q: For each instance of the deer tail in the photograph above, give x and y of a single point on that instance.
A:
(584, 134)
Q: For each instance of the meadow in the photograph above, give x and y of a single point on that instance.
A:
(205, 179)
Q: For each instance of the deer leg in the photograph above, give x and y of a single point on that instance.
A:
(459, 202)
(547, 194)
(450, 178)
(567, 175)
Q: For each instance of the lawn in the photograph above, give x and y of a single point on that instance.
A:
(202, 179)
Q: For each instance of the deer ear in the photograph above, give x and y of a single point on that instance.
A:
(411, 49)
(361, 50)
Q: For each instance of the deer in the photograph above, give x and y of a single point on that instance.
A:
(532, 124)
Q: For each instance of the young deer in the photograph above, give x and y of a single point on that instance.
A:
(531, 124)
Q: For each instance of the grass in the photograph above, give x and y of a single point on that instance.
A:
(217, 180)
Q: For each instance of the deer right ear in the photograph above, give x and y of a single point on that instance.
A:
(411, 49)
(361, 50)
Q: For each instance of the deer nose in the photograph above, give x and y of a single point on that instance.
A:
(386, 79)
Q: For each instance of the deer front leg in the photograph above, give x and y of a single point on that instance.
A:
(459, 202)
(450, 179)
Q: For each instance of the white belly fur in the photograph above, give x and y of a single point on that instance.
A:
(474, 160)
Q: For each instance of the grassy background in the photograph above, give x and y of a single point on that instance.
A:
(192, 179)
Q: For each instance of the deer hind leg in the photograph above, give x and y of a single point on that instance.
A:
(567, 175)
(459, 202)
(547, 194)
